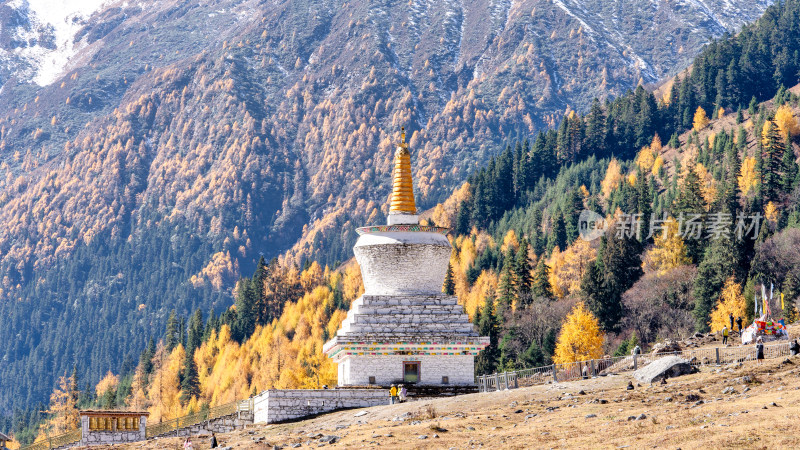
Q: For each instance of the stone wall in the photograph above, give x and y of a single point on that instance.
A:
(89, 437)
(356, 370)
(224, 424)
(279, 405)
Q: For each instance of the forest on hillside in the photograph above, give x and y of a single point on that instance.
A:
(721, 142)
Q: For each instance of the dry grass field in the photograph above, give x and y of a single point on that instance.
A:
(693, 411)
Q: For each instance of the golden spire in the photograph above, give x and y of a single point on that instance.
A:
(402, 189)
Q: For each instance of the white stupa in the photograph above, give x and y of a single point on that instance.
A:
(404, 329)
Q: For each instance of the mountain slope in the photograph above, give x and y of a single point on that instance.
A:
(185, 133)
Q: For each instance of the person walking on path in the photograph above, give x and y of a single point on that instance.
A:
(739, 322)
(187, 444)
(759, 350)
(730, 316)
(214, 440)
(724, 335)
(392, 395)
(403, 393)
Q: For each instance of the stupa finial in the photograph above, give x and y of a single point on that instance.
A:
(402, 187)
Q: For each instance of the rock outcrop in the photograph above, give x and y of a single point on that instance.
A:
(667, 367)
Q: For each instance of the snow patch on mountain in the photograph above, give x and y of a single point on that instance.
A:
(64, 18)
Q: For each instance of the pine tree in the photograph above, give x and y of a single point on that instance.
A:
(719, 262)
(558, 235)
(790, 169)
(690, 202)
(522, 269)
(540, 287)
(486, 362)
(507, 286)
(596, 129)
(245, 310)
(449, 286)
(772, 162)
(195, 335)
(172, 337)
(190, 384)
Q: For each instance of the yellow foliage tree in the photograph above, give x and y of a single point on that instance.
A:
(645, 159)
(748, 177)
(568, 267)
(580, 337)
(63, 410)
(612, 179)
(700, 119)
(787, 122)
(707, 183)
(720, 113)
(657, 165)
(668, 252)
(771, 212)
(110, 381)
(731, 301)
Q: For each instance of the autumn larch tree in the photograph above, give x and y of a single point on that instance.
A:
(731, 301)
(580, 338)
(700, 119)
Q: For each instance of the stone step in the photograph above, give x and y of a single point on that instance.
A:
(412, 318)
(415, 309)
(465, 330)
(380, 300)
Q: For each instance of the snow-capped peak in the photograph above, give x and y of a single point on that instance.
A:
(63, 18)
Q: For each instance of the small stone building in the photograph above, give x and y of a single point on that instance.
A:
(3, 440)
(103, 427)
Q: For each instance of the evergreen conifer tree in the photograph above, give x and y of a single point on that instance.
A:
(449, 286)
(172, 337)
(190, 385)
(486, 362)
(541, 281)
(772, 163)
(522, 269)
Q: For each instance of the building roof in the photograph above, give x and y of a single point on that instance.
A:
(112, 412)
(3, 437)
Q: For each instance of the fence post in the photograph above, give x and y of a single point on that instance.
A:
(594, 370)
(635, 362)
(496, 381)
(506, 375)
(717, 351)
(555, 377)
(516, 380)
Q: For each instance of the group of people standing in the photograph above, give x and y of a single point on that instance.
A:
(397, 394)
(726, 331)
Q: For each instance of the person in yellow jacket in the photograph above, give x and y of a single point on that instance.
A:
(393, 395)
(724, 335)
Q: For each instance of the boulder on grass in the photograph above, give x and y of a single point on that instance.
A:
(666, 367)
(668, 346)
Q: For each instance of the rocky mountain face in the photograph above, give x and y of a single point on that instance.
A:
(164, 145)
